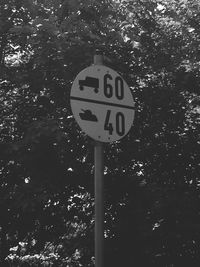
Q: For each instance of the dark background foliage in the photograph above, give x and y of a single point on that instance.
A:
(152, 215)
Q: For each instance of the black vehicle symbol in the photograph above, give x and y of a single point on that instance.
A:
(90, 82)
(87, 115)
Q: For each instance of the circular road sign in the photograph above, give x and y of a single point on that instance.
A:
(102, 103)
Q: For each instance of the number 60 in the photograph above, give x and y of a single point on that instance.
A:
(119, 87)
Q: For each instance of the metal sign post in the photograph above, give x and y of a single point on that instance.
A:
(99, 194)
(99, 204)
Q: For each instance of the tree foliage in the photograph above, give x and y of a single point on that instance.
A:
(151, 176)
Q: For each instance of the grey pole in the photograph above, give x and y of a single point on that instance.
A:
(99, 195)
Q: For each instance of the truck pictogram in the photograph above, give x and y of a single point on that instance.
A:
(89, 82)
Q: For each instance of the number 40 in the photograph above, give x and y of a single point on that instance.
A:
(120, 123)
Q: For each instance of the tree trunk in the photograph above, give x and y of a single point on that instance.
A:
(4, 249)
(2, 48)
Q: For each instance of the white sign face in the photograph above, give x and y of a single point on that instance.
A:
(102, 103)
